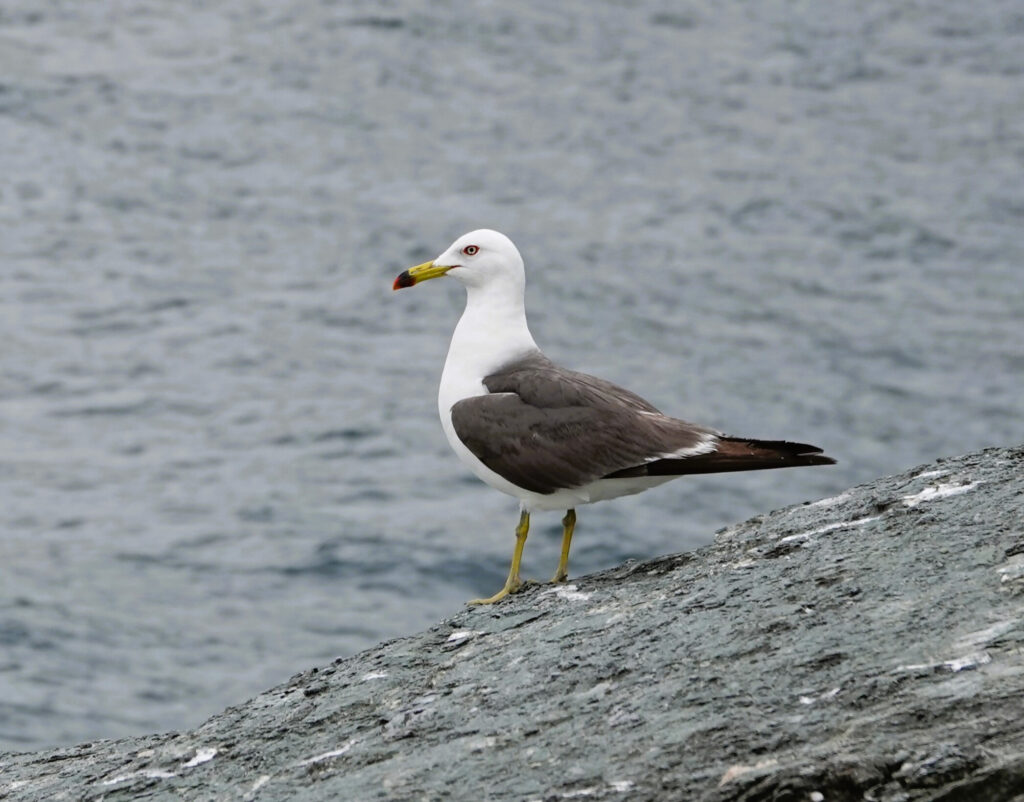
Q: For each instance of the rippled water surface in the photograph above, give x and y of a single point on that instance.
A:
(220, 460)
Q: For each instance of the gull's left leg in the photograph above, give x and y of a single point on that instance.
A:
(568, 525)
(513, 583)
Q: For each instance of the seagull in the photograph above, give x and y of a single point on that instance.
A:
(554, 438)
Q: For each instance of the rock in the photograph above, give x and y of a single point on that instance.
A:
(867, 646)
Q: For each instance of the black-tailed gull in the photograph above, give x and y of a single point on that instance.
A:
(551, 437)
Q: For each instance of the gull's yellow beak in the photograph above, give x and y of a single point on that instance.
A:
(414, 275)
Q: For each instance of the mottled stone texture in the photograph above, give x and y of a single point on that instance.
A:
(867, 646)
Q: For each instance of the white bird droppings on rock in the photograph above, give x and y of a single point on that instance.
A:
(739, 770)
(968, 662)
(831, 501)
(149, 774)
(569, 593)
(202, 756)
(965, 663)
(821, 697)
(933, 492)
(341, 750)
(460, 635)
(828, 528)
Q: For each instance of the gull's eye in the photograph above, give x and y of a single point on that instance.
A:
(470, 250)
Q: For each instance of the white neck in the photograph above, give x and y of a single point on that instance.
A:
(491, 333)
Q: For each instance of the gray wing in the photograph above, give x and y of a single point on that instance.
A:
(544, 428)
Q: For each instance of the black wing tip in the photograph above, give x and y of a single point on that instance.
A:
(805, 451)
(816, 458)
(813, 454)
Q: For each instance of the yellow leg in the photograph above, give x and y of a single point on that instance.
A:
(568, 525)
(513, 583)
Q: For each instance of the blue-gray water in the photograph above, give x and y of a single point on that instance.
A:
(220, 460)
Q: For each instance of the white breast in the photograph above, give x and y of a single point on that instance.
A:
(456, 384)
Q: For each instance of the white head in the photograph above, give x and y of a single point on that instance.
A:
(479, 259)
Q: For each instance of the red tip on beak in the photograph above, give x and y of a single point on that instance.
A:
(404, 280)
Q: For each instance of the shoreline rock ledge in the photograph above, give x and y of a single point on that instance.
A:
(868, 646)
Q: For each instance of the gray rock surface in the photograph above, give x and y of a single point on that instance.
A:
(867, 646)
